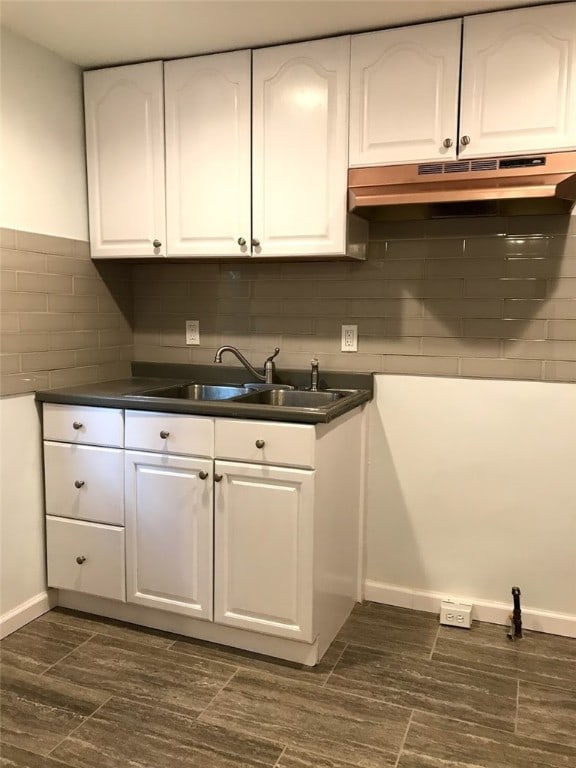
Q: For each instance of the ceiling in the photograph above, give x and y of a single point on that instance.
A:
(94, 33)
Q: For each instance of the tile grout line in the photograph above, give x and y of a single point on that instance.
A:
(212, 700)
(435, 642)
(277, 763)
(69, 654)
(403, 742)
(329, 675)
(81, 724)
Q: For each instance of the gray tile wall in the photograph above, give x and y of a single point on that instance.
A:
(64, 319)
(488, 297)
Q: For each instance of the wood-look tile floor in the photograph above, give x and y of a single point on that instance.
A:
(393, 690)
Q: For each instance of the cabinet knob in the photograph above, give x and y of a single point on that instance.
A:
(202, 475)
(77, 425)
(79, 483)
(255, 242)
(164, 434)
(80, 559)
(447, 143)
(217, 478)
(465, 140)
(156, 243)
(260, 443)
(241, 242)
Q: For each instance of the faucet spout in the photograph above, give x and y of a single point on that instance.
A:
(268, 374)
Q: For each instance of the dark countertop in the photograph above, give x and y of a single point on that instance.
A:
(124, 393)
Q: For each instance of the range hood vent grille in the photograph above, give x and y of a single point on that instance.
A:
(459, 166)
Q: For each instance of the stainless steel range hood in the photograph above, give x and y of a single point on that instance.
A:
(527, 184)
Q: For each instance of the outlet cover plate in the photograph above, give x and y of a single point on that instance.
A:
(192, 331)
(454, 614)
(349, 338)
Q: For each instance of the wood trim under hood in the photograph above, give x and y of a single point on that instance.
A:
(507, 178)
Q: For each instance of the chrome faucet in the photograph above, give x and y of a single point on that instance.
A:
(267, 376)
(314, 375)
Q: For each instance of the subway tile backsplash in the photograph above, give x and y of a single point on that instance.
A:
(65, 319)
(491, 297)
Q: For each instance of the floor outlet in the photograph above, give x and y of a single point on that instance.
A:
(192, 331)
(454, 614)
(349, 338)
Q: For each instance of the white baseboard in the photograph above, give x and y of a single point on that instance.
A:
(26, 612)
(484, 610)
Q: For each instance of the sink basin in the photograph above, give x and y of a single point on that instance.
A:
(292, 398)
(196, 392)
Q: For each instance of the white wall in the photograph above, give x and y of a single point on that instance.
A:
(472, 489)
(43, 190)
(43, 178)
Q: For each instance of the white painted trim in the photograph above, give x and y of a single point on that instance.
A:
(268, 645)
(484, 610)
(363, 504)
(26, 612)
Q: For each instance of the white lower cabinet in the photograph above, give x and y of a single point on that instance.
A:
(169, 532)
(264, 529)
(86, 557)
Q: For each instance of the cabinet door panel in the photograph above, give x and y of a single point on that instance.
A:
(519, 81)
(300, 153)
(125, 160)
(263, 549)
(208, 154)
(404, 94)
(169, 533)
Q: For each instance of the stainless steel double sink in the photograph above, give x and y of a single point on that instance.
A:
(254, 394)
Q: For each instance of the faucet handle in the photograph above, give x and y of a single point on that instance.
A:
(272, 356)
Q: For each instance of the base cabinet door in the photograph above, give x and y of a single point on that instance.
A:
(264, 549)
(169, 539)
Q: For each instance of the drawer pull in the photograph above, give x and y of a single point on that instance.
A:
(79, 483)
(202, 475)
(260, 443)
(217, 478)
(80, 559)
(77, 425)
(164, 434)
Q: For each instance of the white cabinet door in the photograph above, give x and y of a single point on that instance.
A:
(404, 94)
(169, 533)
(208, 173)
(519, 81)
(300, 148)
(264, 549)
(125, 160)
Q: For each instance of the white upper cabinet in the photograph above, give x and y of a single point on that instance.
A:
(300, 148)
(519, 81)
(125, 160)
(404, 94)
(207, 105)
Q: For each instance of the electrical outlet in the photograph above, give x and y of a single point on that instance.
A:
(349, 338)
(455, 614)
(192, 331)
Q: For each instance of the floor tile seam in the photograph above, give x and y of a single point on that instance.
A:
(84, 721)
(329, 675)
(417, 709)
(512, 649)
(541, 684)
(108, 634)
(434, 643)
(277, 763)
(193, 655)
(69, 654)
(403, 742)
(383, 649)
(218, 692)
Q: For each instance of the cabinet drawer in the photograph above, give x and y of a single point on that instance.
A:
(265, 442)
(84, 482)
(84, 424)
(169, 433)
(100, 549)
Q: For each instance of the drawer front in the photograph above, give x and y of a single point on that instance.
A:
(84, 424)
(170, 433)
(84, 482)
(100, 550)
(266, 442)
